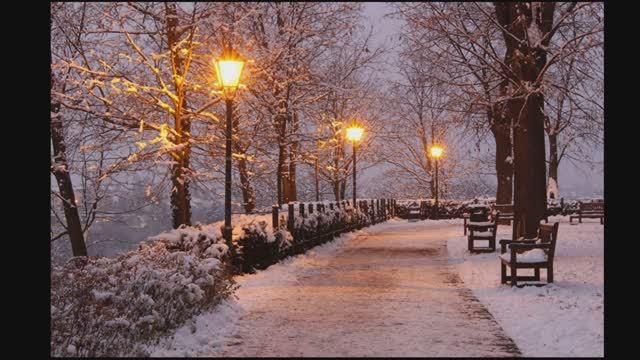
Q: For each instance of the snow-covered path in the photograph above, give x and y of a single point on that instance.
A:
(388, 291)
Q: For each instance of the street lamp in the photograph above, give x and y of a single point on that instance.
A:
(436, 152)
(354, 134)
(229, 69)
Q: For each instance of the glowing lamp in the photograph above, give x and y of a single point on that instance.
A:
(436, 151)
(354, 133)
(229, 70)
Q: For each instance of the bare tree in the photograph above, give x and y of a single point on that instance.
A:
(497, 57)
(460, 41)
(574, 103)
(63, 32)
(140, 80)
(528, 29)
(347, 93)
(287, 41)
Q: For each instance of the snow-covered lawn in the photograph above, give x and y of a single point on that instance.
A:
(565, 318)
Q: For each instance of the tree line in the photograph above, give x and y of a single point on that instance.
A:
(135, 109)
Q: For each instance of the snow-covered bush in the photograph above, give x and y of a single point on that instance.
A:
(258, 245)
(114, 306)
(447, 209)
(111, 306)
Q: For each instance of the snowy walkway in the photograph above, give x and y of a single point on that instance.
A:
(388, 291)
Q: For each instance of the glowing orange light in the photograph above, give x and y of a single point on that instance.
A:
(436, 151)
(354, 133)
(229, 70)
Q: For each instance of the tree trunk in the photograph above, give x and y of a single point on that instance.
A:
(282, 156)
(281, 130)
(248, 195)
(432, 185)
(60, 169)
(529, 168)
(279, 173)
(526, 107)
(180, 196)
(336, 190)
(552, 192)
(430, 165)
(317, 180)
(292, 193)
(338, 187)
(504, 159)
(425, 150)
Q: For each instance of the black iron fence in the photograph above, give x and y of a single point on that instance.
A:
(297, 227)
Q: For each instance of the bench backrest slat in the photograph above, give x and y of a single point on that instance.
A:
(592, 207)
(548, 233)
(505, 210)
(495, 223)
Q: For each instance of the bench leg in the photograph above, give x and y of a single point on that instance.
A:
(470, 243)
(492, 244)
(536, 273)
(601, 221)
(503, 273)
(550, 274)
(514, 276)
(580, 219)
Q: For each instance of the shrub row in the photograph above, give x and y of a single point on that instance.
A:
(114, 306)
(450, 209)
(261, 246)
(117, 306)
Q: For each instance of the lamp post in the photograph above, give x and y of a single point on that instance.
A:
(436, 152)
(354, 134)
(229, 69)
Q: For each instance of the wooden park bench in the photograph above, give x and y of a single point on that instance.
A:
(475, 213)
(589, 210)
(483, 231)
(533, 254)
(506, 213)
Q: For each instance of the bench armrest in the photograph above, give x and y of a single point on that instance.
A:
(526, 246)
(509, 241)
(504, 242)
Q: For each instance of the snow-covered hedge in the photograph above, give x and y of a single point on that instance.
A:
(115, 306)
(257, 244)
(261, 246)
(111, 306)
(450, 209)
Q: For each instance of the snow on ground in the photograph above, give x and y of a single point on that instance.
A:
(387, 290)
(561, 319)
(565, 318)
(209, 330)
